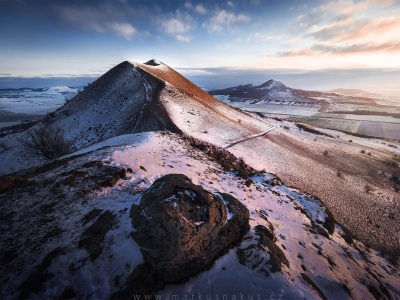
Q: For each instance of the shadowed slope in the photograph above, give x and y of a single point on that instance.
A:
(123, 100)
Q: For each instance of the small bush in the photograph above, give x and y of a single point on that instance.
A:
(362, 151)
(368, 188)
(45, 142)
(326, 153)
(350, 141)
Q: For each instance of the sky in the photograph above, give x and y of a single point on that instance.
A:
(311, 44)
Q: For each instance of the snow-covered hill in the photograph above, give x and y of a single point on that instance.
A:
(66, 229)
(34, 101)
(269, 92)
(293, 249)
(134, 97)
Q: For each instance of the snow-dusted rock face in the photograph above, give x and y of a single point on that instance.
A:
(182, 228)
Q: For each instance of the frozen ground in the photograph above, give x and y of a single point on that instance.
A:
(319, 265)
(35, 101)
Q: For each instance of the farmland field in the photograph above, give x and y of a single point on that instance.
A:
(373, 118)
(282, 109)
(330, 123)
(380, 129)
(370, 128)
(367, 114)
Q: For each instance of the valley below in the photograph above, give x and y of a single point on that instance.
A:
(362, 113)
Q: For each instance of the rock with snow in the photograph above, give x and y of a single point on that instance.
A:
(182, 228)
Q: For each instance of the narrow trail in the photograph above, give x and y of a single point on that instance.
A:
(147, 96)
(249, 138)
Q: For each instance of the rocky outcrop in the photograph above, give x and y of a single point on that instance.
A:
(92, 238)
(183, 228)
(261, 252)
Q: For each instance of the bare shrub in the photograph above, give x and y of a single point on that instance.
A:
(326, 153)
(45, 142)
(395, 178)
(368, 188)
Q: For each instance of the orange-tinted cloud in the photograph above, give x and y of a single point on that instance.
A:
(326, 49)
(345, 27)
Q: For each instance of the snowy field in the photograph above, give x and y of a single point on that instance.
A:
(380, 129)
(283, 108)
(294, 109)
(35, 101)
(370, 128)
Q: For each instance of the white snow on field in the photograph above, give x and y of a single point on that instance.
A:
(329, 262)
(35, 101)
(162, 154)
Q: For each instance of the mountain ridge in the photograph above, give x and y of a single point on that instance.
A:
(271, 90)
(348, 91)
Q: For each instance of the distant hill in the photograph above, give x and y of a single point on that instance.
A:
(271, 90)
(352, 92)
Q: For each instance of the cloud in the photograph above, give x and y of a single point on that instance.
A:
(266, 37)
(365, 29)
(174, 25)
(346, 27)
(391, 46)
(100, 19)
(124, 30)
(183, 38)
(199, 8)
(328, 49)
(195, 72)
(223, 19)
(178, 26)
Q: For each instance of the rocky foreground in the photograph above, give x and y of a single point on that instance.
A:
(165, 214)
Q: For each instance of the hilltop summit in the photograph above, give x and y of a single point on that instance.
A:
(273, 84)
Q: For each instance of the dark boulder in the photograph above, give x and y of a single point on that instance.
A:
(182, 228)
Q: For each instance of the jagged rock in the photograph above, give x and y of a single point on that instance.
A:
(92, 238)
(36, 280)
(183, 228)
(6, 182)
(262, 253)
(142, 282)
